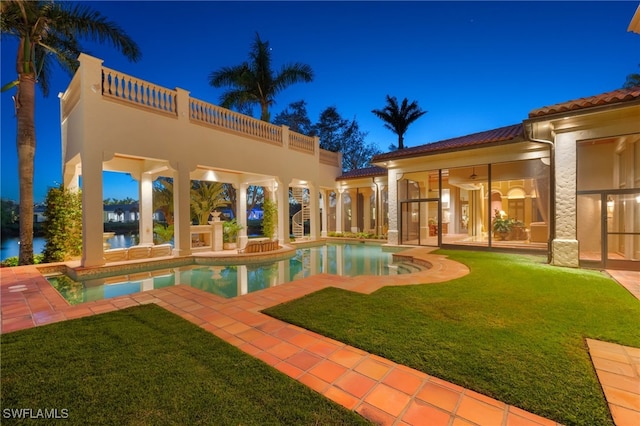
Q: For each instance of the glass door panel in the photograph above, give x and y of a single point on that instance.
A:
(410, 232)
(590, 228)
(419, 223)
(623, 230)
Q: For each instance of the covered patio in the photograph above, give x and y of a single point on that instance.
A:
(115, 122)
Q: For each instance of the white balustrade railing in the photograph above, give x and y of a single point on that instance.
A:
(213, 115)
(302, 143)
(138, 92)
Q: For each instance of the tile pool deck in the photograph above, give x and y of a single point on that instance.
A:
(380, 390)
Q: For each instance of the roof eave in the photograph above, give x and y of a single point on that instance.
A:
(582, 111)
(382, 162)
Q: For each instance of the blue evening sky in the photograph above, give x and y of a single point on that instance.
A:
(473, 65)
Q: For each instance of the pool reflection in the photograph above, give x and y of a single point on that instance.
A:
(234, 280)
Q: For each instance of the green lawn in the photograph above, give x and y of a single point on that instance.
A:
(147, 366)
(512, 329)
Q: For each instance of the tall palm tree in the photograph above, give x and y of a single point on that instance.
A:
(47, 32)
(398, 118)
(254, 82)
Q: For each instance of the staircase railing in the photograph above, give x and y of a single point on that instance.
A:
(299, 218)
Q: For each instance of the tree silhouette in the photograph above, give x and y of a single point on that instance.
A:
(254, 82)
(398, 118)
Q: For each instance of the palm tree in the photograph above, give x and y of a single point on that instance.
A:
(254, 83)
(163, 198)
(205, 198)
(398, 118)
(47, 32)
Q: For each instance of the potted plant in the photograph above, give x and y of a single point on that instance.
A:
(501, 225)
(230, 230)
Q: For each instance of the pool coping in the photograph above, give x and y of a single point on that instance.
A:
(77, 272)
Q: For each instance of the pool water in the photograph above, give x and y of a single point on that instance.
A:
(233, 280)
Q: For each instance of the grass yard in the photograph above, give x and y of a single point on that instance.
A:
(147, 366)
(512, 329)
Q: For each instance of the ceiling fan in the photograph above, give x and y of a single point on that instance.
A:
(473, 174)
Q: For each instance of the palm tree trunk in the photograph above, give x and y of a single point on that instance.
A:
(265, 116)
(26, 141)
(400, 142)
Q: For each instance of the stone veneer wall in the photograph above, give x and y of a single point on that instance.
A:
(564, 247)
(392, 200)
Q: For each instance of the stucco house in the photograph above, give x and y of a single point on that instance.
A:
(566, 180)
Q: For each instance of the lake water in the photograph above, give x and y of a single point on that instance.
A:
(11, 246)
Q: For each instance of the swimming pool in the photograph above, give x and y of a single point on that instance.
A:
(238, 279)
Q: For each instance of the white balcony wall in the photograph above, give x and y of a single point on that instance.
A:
(111, 121)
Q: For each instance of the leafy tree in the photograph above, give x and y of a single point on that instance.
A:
(356, 153)
(114, 201)
(297, 118)
(330, 128)
(63, 225)
(48, 32)
(205, 198)
(338, 134)
(8, 213)
(163, 234)
(254, 82)
(397, 118)
(633, 80)
(255, 195)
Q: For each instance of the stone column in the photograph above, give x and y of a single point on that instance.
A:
(324, 206)
(392, 197)
(241, 211)
(92, 209)
(366, 209)
(339, 208)
(564, 247)
(314, 213)
(182, 210)
(353, 224)
(145, 192)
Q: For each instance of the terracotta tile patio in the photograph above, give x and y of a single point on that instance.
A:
(380, 390)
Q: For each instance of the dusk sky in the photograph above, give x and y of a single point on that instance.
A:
(473, 66)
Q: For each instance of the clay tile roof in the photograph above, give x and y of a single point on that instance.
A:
(616, 96)
(372, 171)
(502, 134)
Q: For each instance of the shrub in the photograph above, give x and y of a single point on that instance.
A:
(163, 234)
(63, 225)
(269, 218)
(13, 261)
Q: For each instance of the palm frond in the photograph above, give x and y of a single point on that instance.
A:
(228, 76)
(398, 118)
(290, 74)
(82, 21)
(256, 80)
